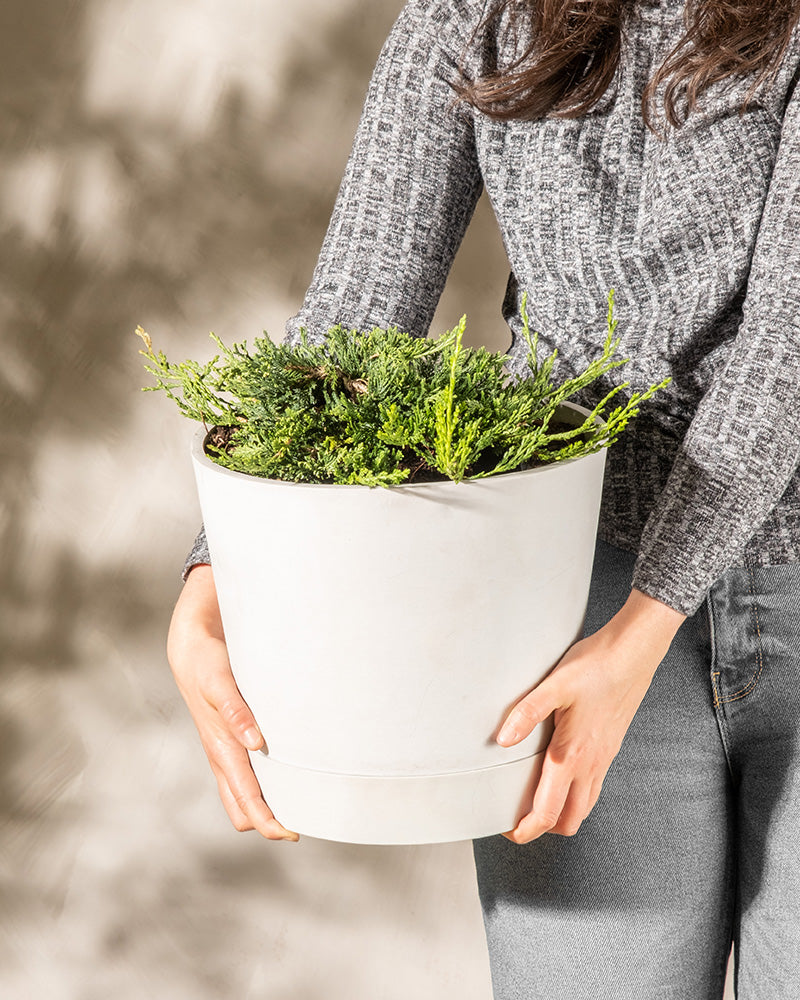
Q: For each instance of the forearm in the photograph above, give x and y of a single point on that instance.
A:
(410, 187)
(741, 452)
(197, 609)
(645, 624)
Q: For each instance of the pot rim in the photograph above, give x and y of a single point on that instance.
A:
(200, 457)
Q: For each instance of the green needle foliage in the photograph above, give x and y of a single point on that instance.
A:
(381, 407)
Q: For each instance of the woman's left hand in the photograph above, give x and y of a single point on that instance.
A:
(594, 691)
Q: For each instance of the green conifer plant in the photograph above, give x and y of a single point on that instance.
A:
(381, 407)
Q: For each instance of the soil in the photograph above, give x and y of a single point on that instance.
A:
(421, 472)
(218, 438)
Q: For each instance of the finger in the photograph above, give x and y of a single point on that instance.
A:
(528, 713)
(597, 787)
(240, 721)
(246, 793)
(223, 695)
(235, 814)
(549, 797)
(576, 808)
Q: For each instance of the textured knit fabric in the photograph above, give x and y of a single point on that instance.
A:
(697, 231)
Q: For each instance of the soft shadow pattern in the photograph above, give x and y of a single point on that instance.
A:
(215, 213)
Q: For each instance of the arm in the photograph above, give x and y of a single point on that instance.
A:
(199, 662)
(738, 457)
(410, 187)
(743, 445)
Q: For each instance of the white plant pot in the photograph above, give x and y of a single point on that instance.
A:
(381, 635)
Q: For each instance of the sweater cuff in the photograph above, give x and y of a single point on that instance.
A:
(198, 556)
(652, 580)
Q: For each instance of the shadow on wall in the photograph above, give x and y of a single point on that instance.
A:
(196, 218)
(111, 218)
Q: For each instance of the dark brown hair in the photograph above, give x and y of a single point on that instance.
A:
(575, 45)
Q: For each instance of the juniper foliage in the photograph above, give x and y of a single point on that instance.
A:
(381, 407)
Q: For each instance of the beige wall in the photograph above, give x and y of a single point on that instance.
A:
(169, 163)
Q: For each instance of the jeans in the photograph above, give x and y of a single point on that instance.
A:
(695, 839)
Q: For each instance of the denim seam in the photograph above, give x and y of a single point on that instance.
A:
(715, 687)
(721, 723)
(749, 687)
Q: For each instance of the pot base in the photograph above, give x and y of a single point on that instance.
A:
(414, 809)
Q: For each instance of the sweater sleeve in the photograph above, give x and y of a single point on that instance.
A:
(409, 190)
(199, 554)
(743, 445)
(410, 186)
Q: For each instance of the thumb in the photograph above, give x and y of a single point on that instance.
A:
(526, 715)
(234, 711)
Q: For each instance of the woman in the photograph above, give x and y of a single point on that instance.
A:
(652, 147)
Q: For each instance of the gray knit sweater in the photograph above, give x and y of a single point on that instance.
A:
(699, 233)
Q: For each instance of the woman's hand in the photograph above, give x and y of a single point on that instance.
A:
(199, 660)
(594, 691)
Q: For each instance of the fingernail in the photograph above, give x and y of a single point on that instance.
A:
(292, 838)
(253, 739)
(507, 735)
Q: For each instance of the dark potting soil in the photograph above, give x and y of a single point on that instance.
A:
(420, 472)
(218, 438)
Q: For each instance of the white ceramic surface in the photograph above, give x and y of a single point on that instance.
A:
(383, 633)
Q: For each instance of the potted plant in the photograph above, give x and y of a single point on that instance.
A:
(379, 635)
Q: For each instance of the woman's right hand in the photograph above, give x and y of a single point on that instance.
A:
(199, 661)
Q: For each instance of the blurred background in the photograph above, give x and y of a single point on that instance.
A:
(174, 164)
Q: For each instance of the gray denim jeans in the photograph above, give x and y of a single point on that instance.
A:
(695, 840)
